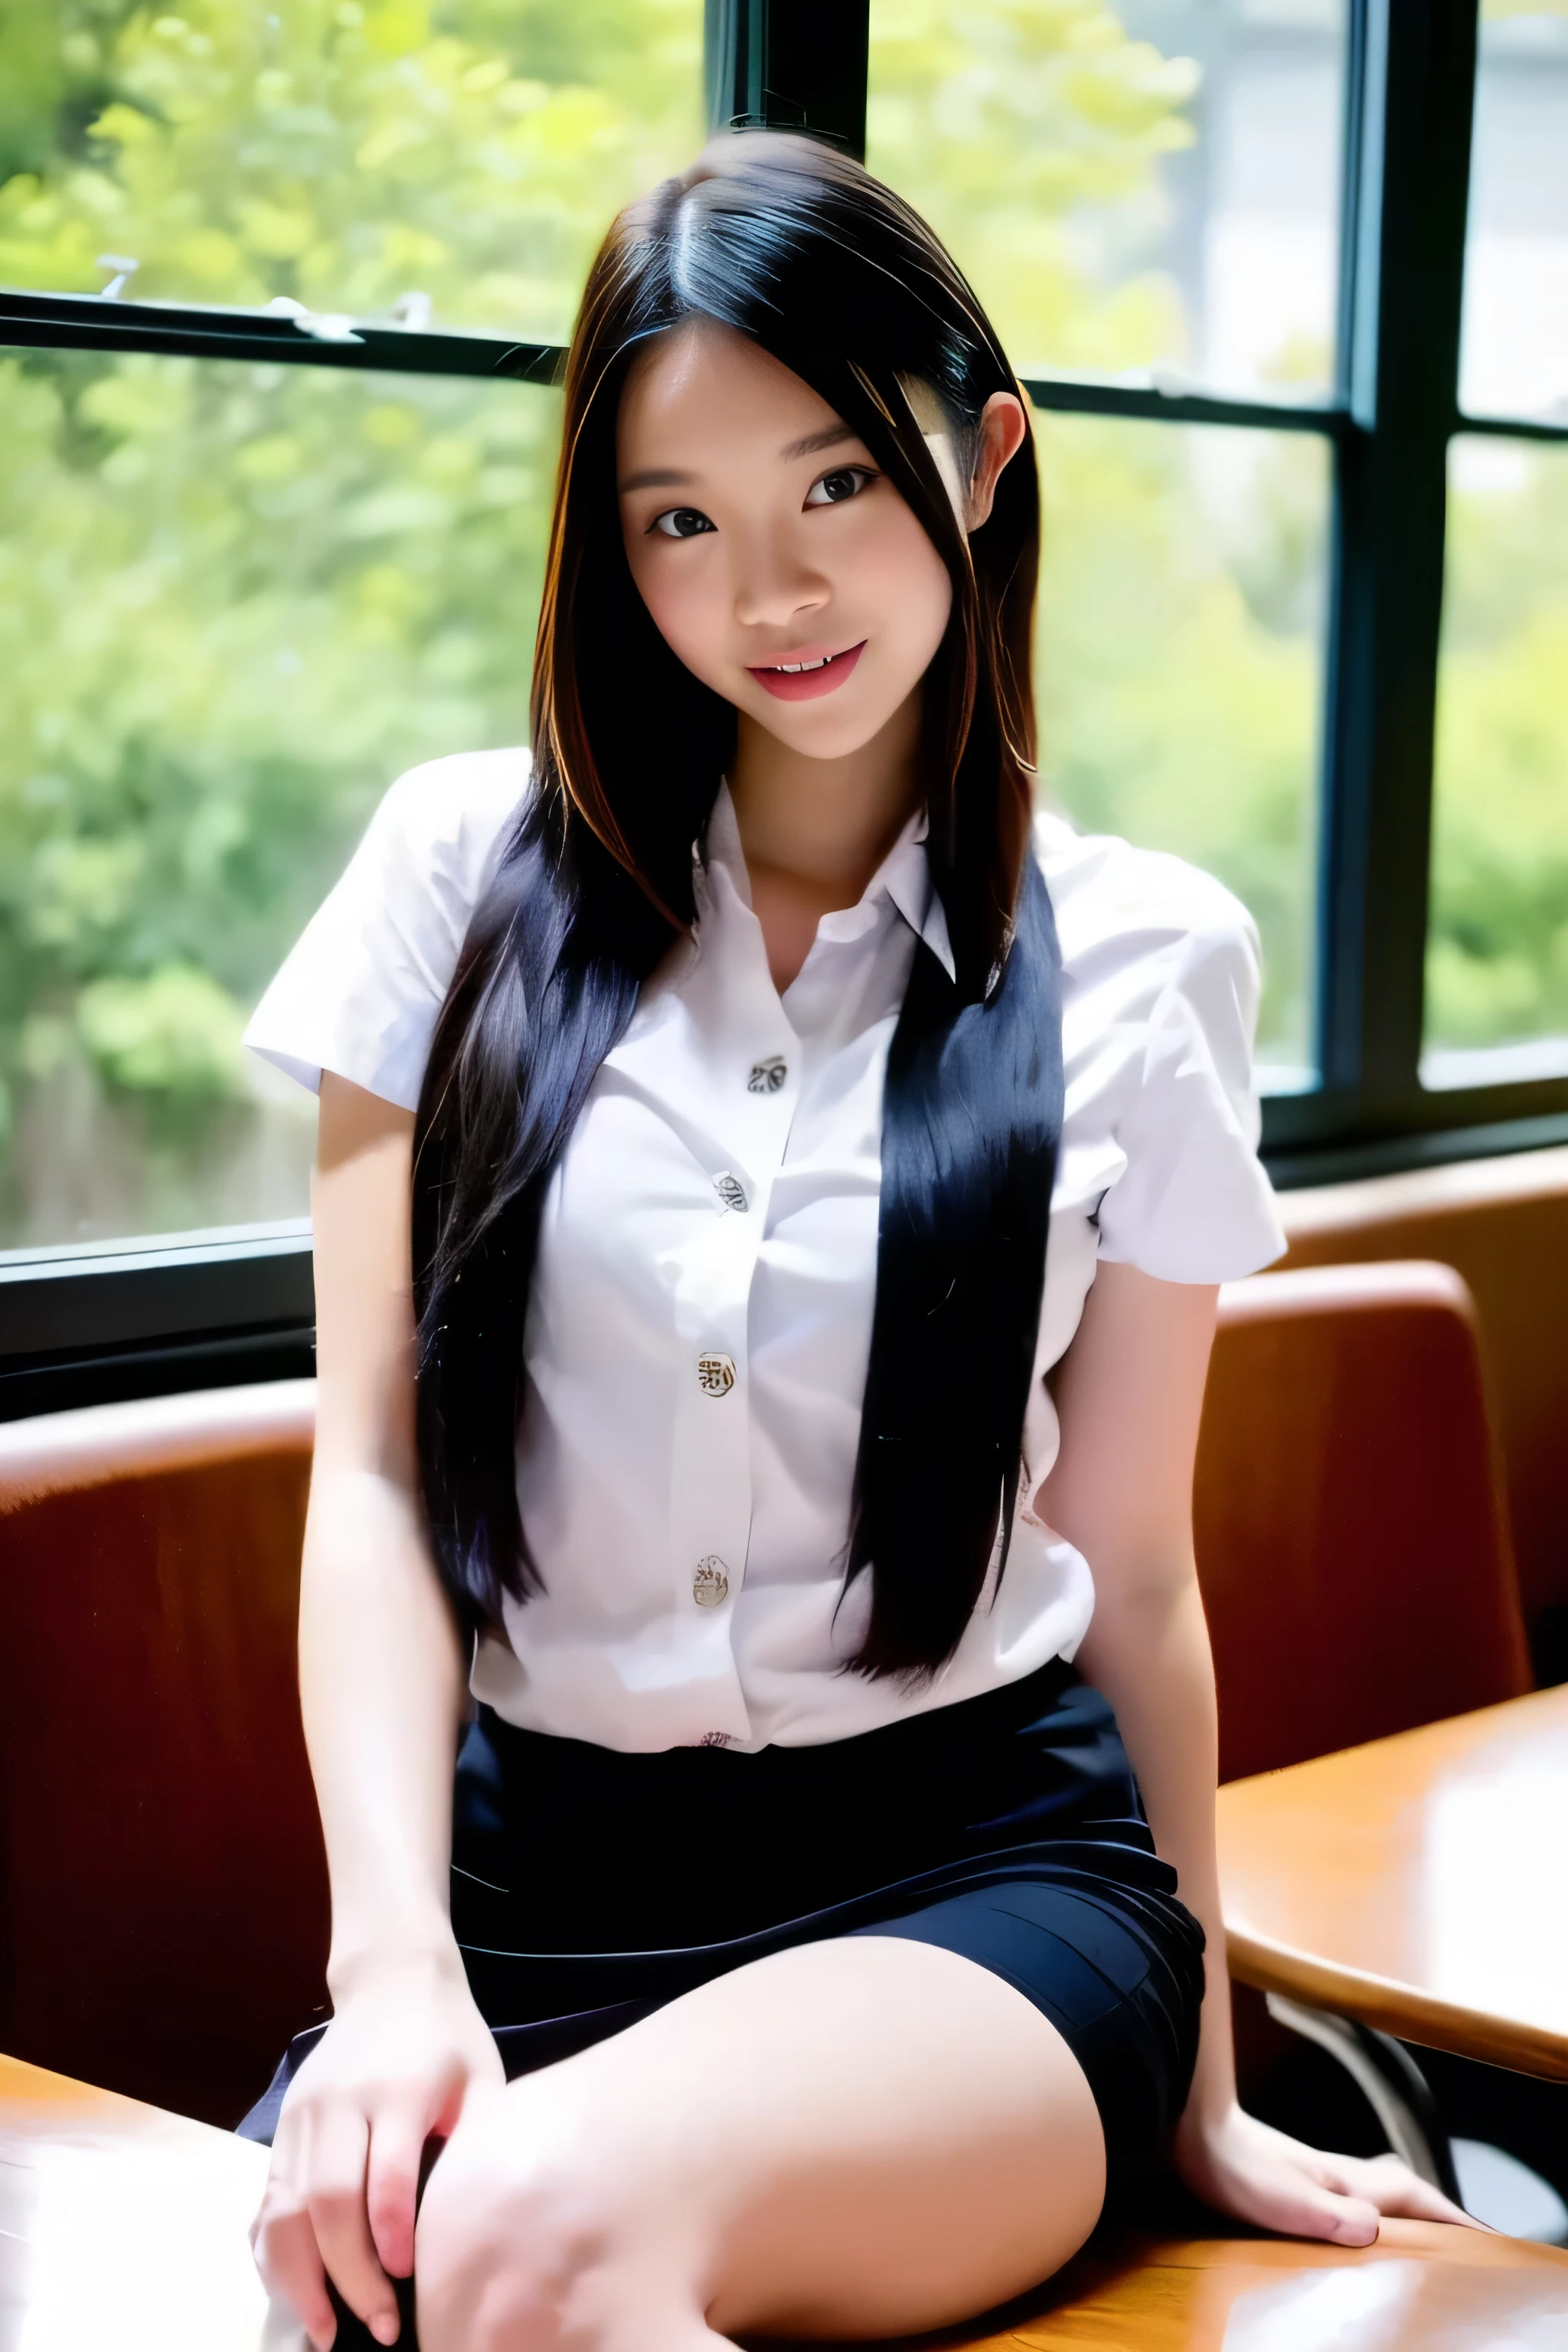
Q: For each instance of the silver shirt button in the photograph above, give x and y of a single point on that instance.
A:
(767, 1076)
(711, 1585)
(729, 1189)
(715, 1374)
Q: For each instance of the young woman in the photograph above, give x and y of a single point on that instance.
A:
(814, 1182)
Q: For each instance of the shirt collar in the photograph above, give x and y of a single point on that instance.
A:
(903, 878)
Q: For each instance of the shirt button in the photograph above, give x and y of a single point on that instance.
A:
(711, 1585)
(767, 1076)
(715, 1374)
(729, 1189)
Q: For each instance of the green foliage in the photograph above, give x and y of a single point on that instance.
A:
(1180, 622)
(1000, 122)
(1498, 958)
(172, 1035)
(235, 600)
(1180, 612)
(343, 152)
(1177, 665)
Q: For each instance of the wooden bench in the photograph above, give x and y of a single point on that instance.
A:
(124, 2227)
(162, 1887)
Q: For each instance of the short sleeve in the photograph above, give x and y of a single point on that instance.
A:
(360, 993)
(1193, 1202)
(1162, 978)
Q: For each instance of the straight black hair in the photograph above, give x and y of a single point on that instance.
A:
(794, 245)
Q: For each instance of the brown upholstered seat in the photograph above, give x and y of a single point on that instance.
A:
(1353, 1548)
(1502, 1224)
(1352, 1531)
(162, 1888)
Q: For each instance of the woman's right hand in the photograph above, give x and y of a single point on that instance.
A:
(403, 2052)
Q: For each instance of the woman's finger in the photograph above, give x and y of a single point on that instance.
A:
(335, 2177)
(290, 2261)
(1300, 2206)
(1394, 2188)
(392, 2186)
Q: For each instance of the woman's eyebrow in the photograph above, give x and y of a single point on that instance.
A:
(828, 438)
(656, 477)
(670, 477)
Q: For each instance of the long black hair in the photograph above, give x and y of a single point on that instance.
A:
(799, 248)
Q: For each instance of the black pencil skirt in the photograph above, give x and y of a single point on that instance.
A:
(590, 1886)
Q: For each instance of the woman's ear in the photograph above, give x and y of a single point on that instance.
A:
(1002, 429)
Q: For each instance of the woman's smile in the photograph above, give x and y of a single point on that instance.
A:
(807, 674)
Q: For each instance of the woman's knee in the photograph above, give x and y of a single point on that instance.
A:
(518, 2246)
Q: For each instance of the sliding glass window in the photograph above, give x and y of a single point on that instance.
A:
(1148, 197)
(284, 289)
(1497, 966)
(237, 598)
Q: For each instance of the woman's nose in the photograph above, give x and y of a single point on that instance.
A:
(775, 588)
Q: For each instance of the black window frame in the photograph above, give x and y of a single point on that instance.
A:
(166, 1313)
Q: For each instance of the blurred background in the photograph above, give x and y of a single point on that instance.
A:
(238, 598)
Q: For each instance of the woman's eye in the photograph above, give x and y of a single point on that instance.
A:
(844, 482)
(682, 522)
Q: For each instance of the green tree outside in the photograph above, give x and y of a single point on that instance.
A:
(1496, 967)
(1179, 647)
(1497, 961)
(235, 600)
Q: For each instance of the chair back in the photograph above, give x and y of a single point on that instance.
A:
(1502, 1222)
(1351, 1530)
(162, 1892)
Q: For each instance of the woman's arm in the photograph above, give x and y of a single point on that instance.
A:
(382, 1674)
(382, 1671)
(1129, 1393)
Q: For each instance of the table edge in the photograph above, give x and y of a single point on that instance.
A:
(1269, 1966)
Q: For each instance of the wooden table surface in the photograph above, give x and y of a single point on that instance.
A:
(1420, 1883)
(123, 2230)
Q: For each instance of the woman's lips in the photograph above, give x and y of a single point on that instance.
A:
(818, 674)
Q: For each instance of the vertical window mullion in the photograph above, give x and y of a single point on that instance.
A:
(1408, 182)
(789, 65)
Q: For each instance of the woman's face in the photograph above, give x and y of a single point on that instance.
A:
(777, 561)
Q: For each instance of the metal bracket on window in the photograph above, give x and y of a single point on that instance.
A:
(124, 266)
(326, 326)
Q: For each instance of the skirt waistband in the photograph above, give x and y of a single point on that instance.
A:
(563, 1846)
(890, 1747)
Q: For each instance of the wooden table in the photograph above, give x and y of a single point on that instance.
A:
(123, 2230)
(1419, 1884)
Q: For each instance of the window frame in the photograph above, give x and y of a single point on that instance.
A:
(147, 1316)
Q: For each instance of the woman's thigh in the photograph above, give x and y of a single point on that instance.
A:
(865, 2137)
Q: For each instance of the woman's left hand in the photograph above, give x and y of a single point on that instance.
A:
(1260, 2175)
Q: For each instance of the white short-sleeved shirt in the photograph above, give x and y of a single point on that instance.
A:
(700, 1319)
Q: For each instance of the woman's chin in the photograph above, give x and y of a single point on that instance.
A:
(817, 730)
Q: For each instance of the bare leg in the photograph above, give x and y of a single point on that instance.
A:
(856, 2138)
